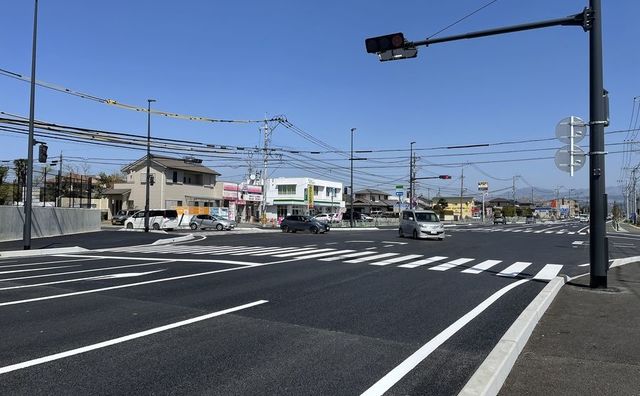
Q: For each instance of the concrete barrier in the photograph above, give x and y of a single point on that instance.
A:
(47, 221)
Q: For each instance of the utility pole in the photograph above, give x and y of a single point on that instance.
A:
(461, 190)
(44, 195)
(411, 175)
(26, 232)
(267, 139)
(513, 190)
(148, 178)
(58, 197)
(351, 186)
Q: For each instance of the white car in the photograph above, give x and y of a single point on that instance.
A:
(159, 219)
(421, 224)
(325, 217)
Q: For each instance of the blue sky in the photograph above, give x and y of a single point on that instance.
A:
(306, 60)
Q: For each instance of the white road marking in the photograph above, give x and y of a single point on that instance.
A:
(577, 242)
(371, 258)
(189, 260)
(100, 277)
(518, 230)
(36, 269)
(149, 282)
(359, 242)
(397, 259)
(299, 251)
(423, 262)
(514, 269)
(61, 355)
(582, 233)
(538, 232)
(395, 375)
(371, 248)
(395, 243)
(584, 265)
(344, 256)
(548, 272)
(45, 262)
(478, 268)
(325, 254)
(281, 250)
(571, 232)
(234, 249)
(253, 251)
(82, 271)
(451, 264)
(387, 246)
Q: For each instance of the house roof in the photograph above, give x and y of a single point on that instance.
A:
(453, 199)
(371, 191)
(116, 191)
(172, 163)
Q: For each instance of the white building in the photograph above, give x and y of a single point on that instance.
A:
(302, 195)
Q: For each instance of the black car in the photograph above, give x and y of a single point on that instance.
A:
(296, 223)
(499, 220)
(122, 216)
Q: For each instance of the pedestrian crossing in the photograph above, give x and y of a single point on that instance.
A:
(373, 257)
(515, 230)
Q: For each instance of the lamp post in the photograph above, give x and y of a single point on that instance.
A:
(26, 232)
(146, 199)
(351, 187)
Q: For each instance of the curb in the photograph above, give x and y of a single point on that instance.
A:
(490, 376)
(42, 252)
(172, 240)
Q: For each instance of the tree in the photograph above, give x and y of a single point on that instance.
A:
(440, 207)
(6, 189)
(20, 168)
(106, 181)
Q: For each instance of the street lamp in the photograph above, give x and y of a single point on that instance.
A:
(26, 232)
(146, 199)
(351, 186)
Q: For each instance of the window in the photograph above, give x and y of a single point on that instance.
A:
(179, 203)
(286, 189)
(174, 178)
(317, 190)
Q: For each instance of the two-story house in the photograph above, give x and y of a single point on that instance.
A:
(176, 184)
(302, 195)
(370, 200)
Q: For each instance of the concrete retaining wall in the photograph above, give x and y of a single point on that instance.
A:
(47, 221)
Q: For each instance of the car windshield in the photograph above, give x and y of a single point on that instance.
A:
(427, 217)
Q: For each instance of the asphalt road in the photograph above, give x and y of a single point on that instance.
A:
(345, 312)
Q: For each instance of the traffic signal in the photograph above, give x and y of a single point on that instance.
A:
(384, 43)
(444, 177)
(42, 153)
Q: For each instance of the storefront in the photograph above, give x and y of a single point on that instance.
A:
(243, 200)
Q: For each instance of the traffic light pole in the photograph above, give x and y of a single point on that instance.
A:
(590, 19)
(148, 178)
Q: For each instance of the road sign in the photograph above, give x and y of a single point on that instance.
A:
(571, 128)
(399, 193)
(483, 186)
(570, 160)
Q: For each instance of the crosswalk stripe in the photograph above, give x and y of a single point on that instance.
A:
(325, 254)
(297, 252)
(514, 269)
(282, 250)
(527, 231)
(571, 232)
(253, 251)
(478, 268)
(517, 230)
(397, 259)
(371, 258)
(423, 262)
(548, 272)
(344, 256)
(235, 249)
(537, 232)
(451, 264)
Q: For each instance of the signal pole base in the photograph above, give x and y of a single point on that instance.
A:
(598, 282)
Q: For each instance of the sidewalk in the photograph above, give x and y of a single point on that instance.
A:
(587, 343)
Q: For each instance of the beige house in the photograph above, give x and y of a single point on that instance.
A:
(176, 184)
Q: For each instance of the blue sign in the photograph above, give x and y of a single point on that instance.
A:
(399, 193)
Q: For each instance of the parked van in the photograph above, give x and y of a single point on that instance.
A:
(159, 219)
(421, 224)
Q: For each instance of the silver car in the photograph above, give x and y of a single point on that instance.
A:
(208, 221)
(421, 224)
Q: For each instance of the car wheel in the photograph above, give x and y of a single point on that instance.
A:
(285, 229)
(415, 234)
(441, 239)
(400, 233)
(155, 226)
(219, 227)
(193, 226)
(129, 226)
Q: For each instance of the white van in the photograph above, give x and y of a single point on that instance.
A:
(159, 219)
(421, 224)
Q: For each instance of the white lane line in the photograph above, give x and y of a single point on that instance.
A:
(219, 252)
(571, 232)
(36, 269)
(451, 264)
(423, 262)
(299, 251)
(99, 277)
(548, 272)
(281, 250)
(514, 269)
(395, 375)
(345, 256)
(371, 258)
(527, 231)
(371, 248)
(82, 271)
(47, 262)
(325, 254)
(394, 260)
(395, 243)
(584, 265)
(103, 344)
(583, 229)
(359, 241)
(262, 250)
(182, 260)
(538, 232)
(312, 245)
(582, 233)
(549, 232)
(577, 242)
(483, 266)
(386, 246)
(149, 282)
